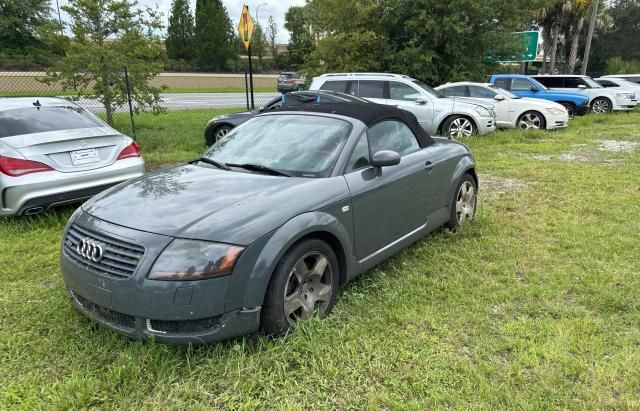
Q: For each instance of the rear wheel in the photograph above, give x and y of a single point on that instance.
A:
(531, 120)
(464, 203)
(459, 127)
(303, 285)
(601, 105)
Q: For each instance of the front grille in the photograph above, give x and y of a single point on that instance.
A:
(184, 327)
(120, 258)
(105, 314)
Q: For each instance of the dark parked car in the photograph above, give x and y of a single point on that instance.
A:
(263, 229)
(290, 81)
(219, 126)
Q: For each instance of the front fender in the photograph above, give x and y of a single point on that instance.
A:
(252, 275)
(466, 164)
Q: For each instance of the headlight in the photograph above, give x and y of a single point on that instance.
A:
(482, 112)
(555, 110)
(195, 260)
(213, 120)
(625, 95)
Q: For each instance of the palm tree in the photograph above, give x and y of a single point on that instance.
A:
(574, 15)
(549, 19)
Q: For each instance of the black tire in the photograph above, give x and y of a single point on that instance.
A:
(284, 282)
(531, 120)
(455, 220)
(571, 108)
(601, 105)
(213, 134)
(459, 127)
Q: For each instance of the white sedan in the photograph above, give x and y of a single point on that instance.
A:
(511, 110)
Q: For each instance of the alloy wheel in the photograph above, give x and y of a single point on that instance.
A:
(466, 200)
(600, 106)
(308, 288)
(530, 121)
(221, 132)
(460, 127)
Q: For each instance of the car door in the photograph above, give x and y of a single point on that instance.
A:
(411, 99)
(503, 108)
(522, 87)
(388, 203)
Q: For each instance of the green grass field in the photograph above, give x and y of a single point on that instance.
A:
(535, 305)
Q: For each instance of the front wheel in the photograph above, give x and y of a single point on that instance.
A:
(464, 203)
(531, 120)
(601, 105)
(459, 127)
(214, 135)
(304, 285)
(571, 108)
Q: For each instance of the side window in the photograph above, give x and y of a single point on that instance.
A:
(573, 82)
(455, 91)
(551, 82)
(340, 86)
(504, 83)
(607, 83)
(481, 92)
(520, 84)
(371, 89)
(360, 156)
(401, 91)
(392, 135)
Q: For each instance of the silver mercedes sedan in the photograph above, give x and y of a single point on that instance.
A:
(53, 152)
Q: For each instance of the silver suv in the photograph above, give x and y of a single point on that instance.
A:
(290, 81)
(437, 114)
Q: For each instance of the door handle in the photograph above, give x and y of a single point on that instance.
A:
(428, 166)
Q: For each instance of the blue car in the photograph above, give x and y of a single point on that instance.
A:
(525, 86)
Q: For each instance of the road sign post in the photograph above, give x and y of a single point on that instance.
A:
(245, 29)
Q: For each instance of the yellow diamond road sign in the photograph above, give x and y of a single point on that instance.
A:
(245, 27)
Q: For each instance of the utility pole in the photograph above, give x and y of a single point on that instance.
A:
(592, 25)
(60, 19)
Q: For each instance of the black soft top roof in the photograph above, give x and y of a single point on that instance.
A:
(369, 113)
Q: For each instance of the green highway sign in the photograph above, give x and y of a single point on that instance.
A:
(529, 41)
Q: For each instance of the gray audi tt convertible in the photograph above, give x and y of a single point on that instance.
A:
(260, 232)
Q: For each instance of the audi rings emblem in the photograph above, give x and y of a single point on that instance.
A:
(90, 250)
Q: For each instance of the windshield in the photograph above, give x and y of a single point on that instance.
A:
(592, 83)
(539, 85)
(428, 89)
(504, 92)
(627, 83)
(31, 120)
(300, 145)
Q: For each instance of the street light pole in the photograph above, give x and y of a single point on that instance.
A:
(60, 19)
(592, 25)
(257, 9)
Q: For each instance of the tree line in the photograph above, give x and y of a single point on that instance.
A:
(439, 41)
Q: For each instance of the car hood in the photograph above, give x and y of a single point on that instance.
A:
(242, 116)
(200, 202)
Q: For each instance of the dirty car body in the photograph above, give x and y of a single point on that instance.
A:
(131, 256)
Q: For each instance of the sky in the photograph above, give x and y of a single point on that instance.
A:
(275, 8)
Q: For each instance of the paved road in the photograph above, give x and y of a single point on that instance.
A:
(186, 101)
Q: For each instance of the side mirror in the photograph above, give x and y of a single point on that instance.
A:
(582, 86)
(385, 158)
(420, 101)
(534, 88)
(498, 97)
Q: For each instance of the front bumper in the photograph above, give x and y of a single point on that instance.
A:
(169, 311)
(486, 125)
(555, 121)
(42, 191)
(583, 109)
(624, 104)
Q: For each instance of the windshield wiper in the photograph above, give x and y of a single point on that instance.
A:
(260, 168)
(211, 162)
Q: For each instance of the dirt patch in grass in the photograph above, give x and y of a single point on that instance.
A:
(583, 153)
(493, 187)
(618, 146)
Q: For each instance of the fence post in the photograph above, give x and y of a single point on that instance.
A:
(133, 124)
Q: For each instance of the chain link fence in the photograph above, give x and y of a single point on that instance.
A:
(187, 101)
